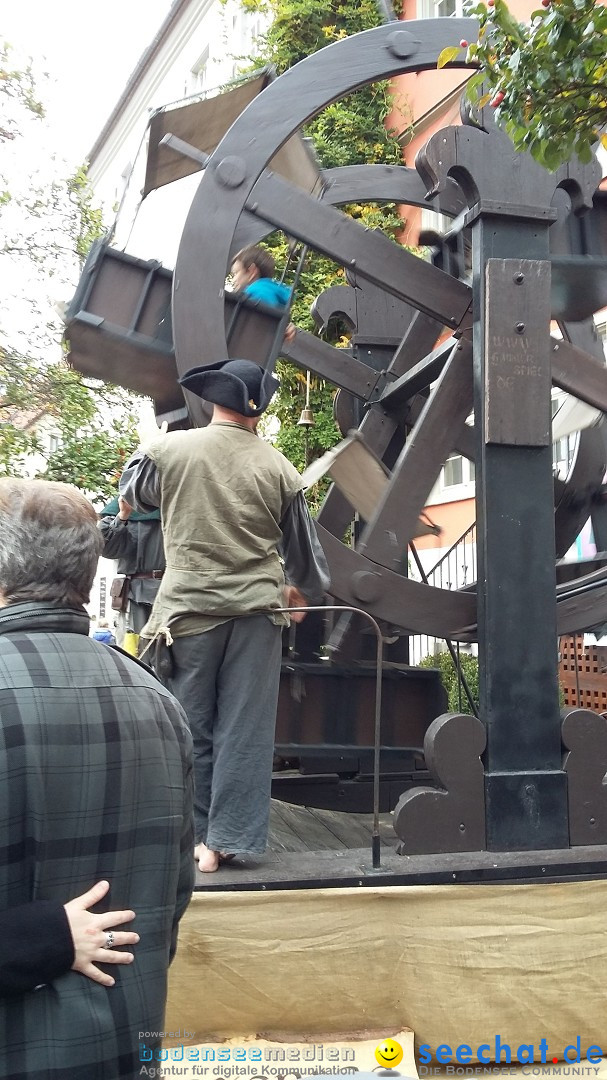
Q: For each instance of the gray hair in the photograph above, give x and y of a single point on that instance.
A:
(49, 543)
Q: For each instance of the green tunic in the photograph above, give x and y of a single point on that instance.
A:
(224, 493)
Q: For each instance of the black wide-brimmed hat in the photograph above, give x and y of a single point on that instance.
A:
(239, 385)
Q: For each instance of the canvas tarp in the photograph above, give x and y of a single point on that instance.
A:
(455, 964)
(203, 124)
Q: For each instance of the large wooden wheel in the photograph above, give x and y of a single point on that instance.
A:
(427, 388)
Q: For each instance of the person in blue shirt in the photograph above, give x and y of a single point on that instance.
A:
(103, 633)
(253, 272)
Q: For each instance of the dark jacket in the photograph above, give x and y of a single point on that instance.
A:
(137, 547)
(36, 947)
(95, 783)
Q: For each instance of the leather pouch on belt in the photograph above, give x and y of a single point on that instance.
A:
(119, 594)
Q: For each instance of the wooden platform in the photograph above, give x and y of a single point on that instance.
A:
(304, 844)
(311, 848)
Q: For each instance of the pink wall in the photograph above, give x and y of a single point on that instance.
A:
(429, 100)
(453, 518)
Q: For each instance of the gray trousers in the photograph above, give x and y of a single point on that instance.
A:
(227, 680)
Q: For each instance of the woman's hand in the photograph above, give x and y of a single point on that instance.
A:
(90, 934)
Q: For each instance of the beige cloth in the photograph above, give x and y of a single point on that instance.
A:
(456, 964)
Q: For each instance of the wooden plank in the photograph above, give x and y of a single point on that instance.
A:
(386, 827)
(399, 600)
(346, 827)
(352, 866)
(373, 255)
(337, 365)
(281, 836)
(418, 378)
(579, 374)
(517, 360)
(314, 835)
(387, 534)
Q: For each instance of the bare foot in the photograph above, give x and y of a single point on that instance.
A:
(208, 861)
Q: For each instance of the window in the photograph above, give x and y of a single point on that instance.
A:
(445, 8)
(457, 470)
(455, 482)
(435, 9)
(563, 451)
(53, 444)
(431, 219)
(453, 472)
(199, 75)
(564, 446)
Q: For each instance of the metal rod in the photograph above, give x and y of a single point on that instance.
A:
(460, 540)
(286, 317)
(184, 149)
(459, 678)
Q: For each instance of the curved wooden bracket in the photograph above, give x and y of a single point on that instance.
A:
(451, 817)
(584, 734)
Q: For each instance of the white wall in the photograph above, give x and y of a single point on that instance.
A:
(207, 31)
(99, 604)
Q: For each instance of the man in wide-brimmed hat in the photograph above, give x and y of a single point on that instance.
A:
(236, 527)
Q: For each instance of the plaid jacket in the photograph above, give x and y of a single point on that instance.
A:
(95, 782)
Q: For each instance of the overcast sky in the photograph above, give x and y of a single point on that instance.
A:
(89, 53)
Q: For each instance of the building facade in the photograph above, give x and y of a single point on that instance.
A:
(195, 51)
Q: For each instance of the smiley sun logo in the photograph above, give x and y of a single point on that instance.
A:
(389, 1053)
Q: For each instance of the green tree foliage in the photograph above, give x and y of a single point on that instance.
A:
(546, 79)
(46, 228)
(96, 434)
(348, 132)
(94, 430)
(457, 700)
(351, 130)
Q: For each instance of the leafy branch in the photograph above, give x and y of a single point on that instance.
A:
(546, 79)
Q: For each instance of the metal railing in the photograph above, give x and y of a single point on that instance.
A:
(456, 569)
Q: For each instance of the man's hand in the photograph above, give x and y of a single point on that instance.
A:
(124, 510)
(290, 333)
(294, 599)
(89, 934)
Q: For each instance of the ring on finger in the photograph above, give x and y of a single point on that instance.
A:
(109, 940)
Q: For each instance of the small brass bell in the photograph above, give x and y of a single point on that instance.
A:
(307, 418)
